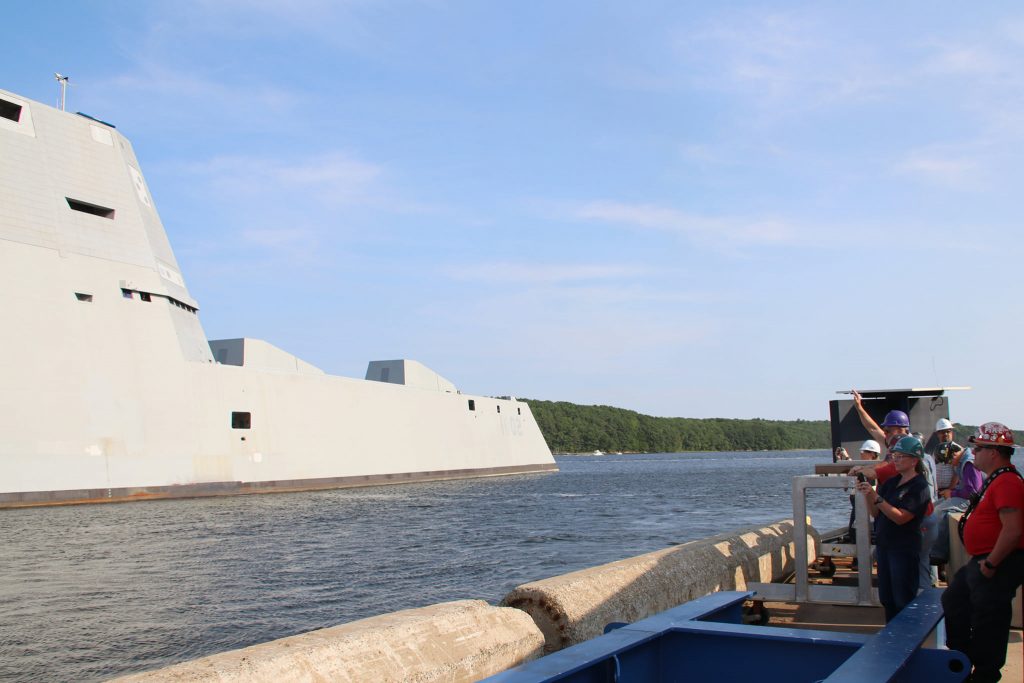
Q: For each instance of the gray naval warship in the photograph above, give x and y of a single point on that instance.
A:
(110, 391)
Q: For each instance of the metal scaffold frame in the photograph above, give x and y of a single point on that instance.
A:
(803, 590)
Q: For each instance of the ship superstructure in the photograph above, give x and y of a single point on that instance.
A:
(109, 389)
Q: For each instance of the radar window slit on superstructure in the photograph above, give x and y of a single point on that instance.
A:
(10, 110)
(94, 209)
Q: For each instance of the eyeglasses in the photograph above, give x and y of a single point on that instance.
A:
(976, 449)
(898, 456)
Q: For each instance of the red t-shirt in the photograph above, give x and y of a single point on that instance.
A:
(886, 470)
(983, 525)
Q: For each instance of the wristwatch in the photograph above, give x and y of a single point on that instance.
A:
(989, 564)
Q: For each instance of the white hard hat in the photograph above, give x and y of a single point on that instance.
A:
(871, 445)
(943, 424)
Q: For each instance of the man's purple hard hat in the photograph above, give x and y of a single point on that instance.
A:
(896, 418)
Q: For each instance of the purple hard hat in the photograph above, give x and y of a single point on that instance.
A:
(896, 418)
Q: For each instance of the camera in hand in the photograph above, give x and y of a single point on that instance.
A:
(861, 477)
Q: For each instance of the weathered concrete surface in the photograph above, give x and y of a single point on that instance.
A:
(454, 641)
(575, 607)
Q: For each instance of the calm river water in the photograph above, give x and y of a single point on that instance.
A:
(90, 592)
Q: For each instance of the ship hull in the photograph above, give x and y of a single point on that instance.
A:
(110, 391)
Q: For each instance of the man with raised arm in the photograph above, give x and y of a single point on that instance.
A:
(978, 603)
(895, 426)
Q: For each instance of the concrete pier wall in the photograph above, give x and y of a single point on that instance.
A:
(576, 607)
(451, 642)
(469, 639)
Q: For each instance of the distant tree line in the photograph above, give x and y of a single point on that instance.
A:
(573, 428)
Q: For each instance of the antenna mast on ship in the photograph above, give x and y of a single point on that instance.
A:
(63, 80)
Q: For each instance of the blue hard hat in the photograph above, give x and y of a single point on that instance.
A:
(896, 418)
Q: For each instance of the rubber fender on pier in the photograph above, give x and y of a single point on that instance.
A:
(457, 641)
(575, 607)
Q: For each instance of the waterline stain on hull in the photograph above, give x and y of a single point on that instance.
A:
(237, 488)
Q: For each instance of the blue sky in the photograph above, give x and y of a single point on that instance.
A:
(687, 209)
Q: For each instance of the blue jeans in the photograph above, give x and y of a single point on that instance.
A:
(927, 575)
(897, 578)
(935, 541)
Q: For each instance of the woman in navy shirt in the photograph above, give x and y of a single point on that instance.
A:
(898, 507)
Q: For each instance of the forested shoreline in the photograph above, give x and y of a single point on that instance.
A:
(574, 428)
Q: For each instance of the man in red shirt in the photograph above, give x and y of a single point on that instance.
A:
(978, 602)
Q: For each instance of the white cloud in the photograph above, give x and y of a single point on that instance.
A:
(159, 96)
(942, 167)
(743, 237)
(540, 274)
(727, 231)
(345, 23)
(285, 216)
(577, 329)
(1013, 29)
(780, 62)
(965, 60)
(330, 179)
(279, 238)
(150, 79)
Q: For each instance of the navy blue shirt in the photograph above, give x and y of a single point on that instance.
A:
(913, 497)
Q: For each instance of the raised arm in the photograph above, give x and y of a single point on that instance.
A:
(869, 422)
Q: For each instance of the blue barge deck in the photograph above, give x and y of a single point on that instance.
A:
(705, 640)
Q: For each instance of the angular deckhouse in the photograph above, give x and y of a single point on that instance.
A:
(110, 391)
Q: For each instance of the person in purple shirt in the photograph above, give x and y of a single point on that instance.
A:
(968, 480)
